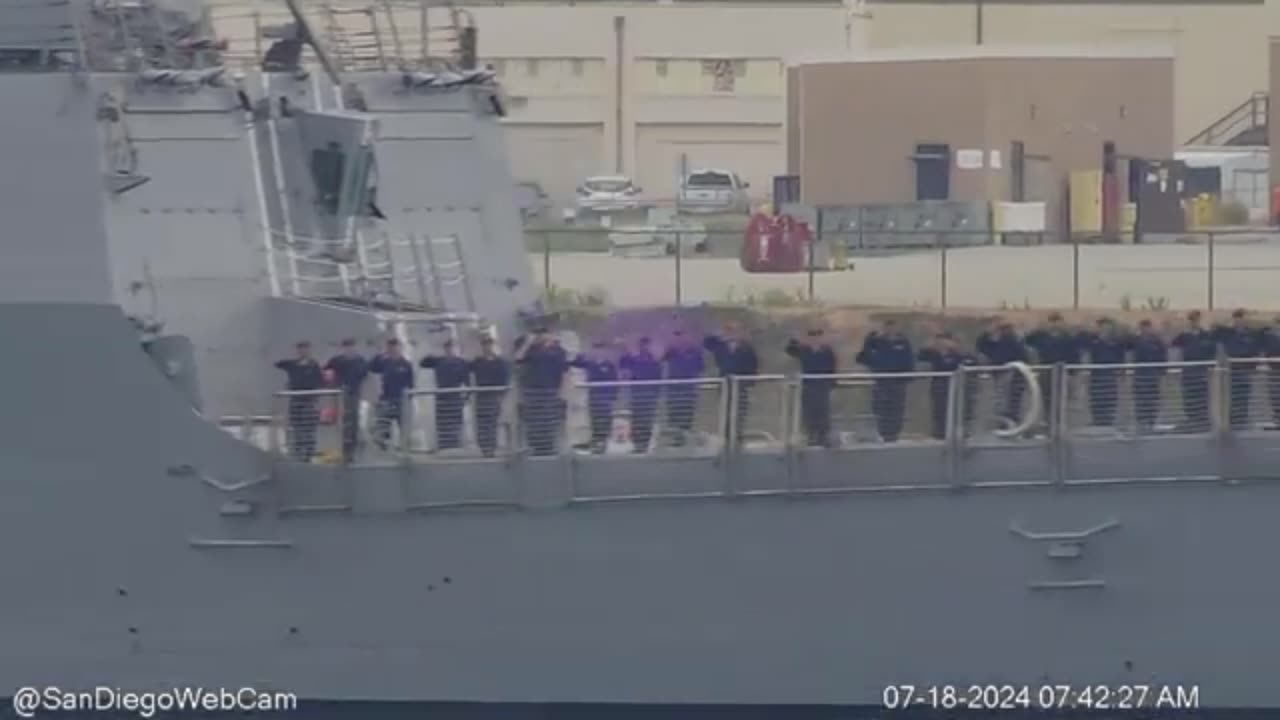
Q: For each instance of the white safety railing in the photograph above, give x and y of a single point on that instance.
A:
(857, 410)
(308, 425)
(680, 417)
(461, 422)
(1253, 393)
(379, 35)
(1002, 402)
(763, 412)
(1134, 399)
(1074, 410)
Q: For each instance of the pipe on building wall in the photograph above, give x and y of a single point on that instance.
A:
(619, 45)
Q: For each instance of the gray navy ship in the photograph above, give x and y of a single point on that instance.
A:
(174, 220)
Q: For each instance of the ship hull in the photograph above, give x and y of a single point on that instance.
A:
(128, 571)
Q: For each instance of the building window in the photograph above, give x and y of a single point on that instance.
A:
(531, 67)
(722, 76)
(575, 66)
(660, 67)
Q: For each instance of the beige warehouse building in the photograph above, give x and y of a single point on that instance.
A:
(943, 125)
(629, 87)
(1220, 47)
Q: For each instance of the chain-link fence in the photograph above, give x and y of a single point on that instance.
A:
(639, 267)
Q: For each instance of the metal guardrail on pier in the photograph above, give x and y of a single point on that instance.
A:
(773, 434)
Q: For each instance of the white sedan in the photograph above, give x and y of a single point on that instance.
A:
(608, 193)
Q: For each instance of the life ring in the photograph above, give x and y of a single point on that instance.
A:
(1035, 404)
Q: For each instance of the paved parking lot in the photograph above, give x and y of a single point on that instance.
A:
(1246, 273)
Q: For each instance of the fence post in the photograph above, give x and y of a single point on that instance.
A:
(679, 266)
(546, 261)
(1210, 262)
(814, 241)
(944, 273)
(1075, 272)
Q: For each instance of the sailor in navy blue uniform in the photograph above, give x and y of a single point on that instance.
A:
(641, 365)
(397, 378)
(1055, 344)
(544, 364)
(888, 351)
(453, 373)
(735, 358)
(1196, 344)
(1106, 346)
(683, 361)
(599, 368)
(816, 358)
(1269, 346)
(1148, 347)
(1001, 345)
(304, 375)
(349, 370)
(945, 355)
(1240, 341)
(492, 375)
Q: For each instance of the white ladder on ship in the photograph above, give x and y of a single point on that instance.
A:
(354, 38)
(419, 272)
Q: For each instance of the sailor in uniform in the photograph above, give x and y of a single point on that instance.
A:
(945, 356)
(452, 373)
(1239, 341)
(1106, 346)
(303, 374)
(1148, 347)
(1055, 344)
(350, 371)
(544, 364)
(683, 361)
(397, 379)
(599, 368)
(1196, 344)
(735, 358)
(816, 358)
(642, 366)
(888, 351)
(492, 374)
(1269, 346)
(1001, 345)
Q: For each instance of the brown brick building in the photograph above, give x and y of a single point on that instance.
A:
(894, 126)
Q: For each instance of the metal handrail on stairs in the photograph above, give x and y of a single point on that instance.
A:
(1249, 115)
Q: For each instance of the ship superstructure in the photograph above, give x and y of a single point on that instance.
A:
(173, 224)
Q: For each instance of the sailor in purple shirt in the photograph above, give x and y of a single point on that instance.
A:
(641, 365)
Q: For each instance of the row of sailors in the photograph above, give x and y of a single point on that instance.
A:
(543, 362)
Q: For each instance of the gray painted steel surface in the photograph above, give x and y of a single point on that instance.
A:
(146, 548)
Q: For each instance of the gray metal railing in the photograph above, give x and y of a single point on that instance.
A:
(307, 425)
(1064, 423)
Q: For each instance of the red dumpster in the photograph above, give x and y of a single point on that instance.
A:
(775, 243)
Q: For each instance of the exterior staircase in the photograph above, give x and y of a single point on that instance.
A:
(1244, 125)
